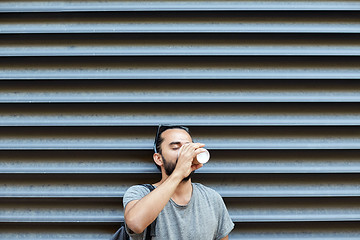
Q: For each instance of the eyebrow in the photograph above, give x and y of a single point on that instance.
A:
(176, 143)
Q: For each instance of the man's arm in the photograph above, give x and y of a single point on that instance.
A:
(141, 213)
(225, 238)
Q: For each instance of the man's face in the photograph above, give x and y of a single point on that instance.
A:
(173, 140)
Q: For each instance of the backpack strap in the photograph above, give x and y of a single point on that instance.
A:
(150, 231)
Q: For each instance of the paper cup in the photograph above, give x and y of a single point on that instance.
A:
(202, 157)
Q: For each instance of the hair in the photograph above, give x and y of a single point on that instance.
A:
(159, 140)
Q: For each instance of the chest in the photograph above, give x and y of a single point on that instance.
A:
(190, 222)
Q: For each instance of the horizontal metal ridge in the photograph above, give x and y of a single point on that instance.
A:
(99, 232)
(172, 91)
(247, 210)
(94, 187)
(343, 218)
(296, 231)
(134, 138)
(102, 196)
(191, 114)
(66, 219)
(179, 45)
(199, 5)
(293, 210)
(235, 218)
(140, 162)
(54, 231)
(214, 114)
(150, 169)
(242, 231)
(182, 22)
(180, 68)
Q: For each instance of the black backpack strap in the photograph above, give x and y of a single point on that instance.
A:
(150, 231)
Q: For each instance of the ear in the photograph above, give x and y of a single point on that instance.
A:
(158, 159)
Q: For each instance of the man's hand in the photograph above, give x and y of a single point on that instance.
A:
(186, 155)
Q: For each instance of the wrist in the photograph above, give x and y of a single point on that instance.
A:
(176, 177)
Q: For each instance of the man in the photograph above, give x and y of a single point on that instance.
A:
(184, 210)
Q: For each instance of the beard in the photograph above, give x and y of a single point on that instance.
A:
(170, 167)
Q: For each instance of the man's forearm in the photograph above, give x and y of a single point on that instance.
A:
(141, 213)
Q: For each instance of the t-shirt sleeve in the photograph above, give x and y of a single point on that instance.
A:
(225, 225)
(134, 193)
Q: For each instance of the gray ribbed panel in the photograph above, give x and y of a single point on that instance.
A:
(220, 138)
(199, 5)
(180, 68)
(246, 186)
(243, 210)
(125, 91)
(222, 161)
(216, 114)
(181, 45)
(182, 22)
(272, 93)
(247, 231)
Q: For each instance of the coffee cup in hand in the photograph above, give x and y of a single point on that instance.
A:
(201, 158)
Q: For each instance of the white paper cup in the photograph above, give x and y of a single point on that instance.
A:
(202, 157)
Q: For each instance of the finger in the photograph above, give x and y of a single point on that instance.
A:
(182, 149)
(199, 150)
(199, 145)
(189, 147)
(196, 166)
(185, 146)
(193, 145)
(185, 150)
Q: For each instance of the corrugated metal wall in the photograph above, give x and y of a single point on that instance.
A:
(272, 87)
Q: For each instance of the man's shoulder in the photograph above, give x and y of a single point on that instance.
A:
(139, 188)
(207, 190)
(135, 192)
(204, 187)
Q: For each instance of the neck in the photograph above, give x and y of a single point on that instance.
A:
(183, 193)
(184, 188)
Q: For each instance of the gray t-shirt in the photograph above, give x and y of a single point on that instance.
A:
(205, 217)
